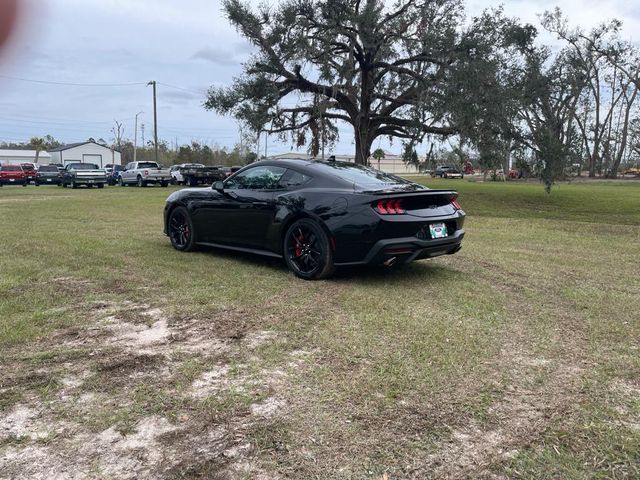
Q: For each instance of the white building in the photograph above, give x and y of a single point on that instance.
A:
(391, 163)
(15, 157)
(85, 152)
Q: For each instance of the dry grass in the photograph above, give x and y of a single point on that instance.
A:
(517, 358)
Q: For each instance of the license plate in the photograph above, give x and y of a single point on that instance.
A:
(48, 179)
(438, 230)
(89, 181)
(12, 179)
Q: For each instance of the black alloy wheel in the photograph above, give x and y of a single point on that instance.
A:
(181, 230)
(307, 251)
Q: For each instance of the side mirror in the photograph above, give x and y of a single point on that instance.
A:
(218, 186)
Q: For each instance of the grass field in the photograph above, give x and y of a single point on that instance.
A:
(516, 358)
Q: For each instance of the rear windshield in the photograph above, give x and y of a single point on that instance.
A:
(148, 165)
(360, 175)
(11, 168)
(48, 168)
(84, 166)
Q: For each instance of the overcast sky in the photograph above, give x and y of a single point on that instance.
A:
(186, 44)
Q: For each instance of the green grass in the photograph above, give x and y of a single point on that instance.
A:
(537, 314)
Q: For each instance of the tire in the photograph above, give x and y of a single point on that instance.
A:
(164, 184)
(307, 251)
(180, 230)
(121, 182)
(141, 183)
(100, 185)
(74, 185)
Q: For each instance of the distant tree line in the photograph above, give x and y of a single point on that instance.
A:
(194, 152)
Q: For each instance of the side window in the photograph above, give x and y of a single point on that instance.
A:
(257, 178)
(294, 179)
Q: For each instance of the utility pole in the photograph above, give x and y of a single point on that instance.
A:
(142, 131)
(155, 118)
(135, 137)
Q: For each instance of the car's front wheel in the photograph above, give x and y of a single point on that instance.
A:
(180, 229)
(307, 251)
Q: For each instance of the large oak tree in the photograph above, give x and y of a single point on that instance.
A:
(404, 70)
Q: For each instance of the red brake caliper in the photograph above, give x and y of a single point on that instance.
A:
(298, 241)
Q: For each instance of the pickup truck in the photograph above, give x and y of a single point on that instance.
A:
(193, 176)
(144, 173)
(12, 175)
(48, 175)
(176, 176)
(89, 174)
(30, 171)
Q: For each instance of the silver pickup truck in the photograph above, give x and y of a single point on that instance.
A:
(143, 174)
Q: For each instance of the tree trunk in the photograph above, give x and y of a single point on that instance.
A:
(613, 172)
(363, 146)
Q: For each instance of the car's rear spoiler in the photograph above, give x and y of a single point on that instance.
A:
(416, 199)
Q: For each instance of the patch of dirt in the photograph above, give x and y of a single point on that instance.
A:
(159, 433)
(268, 408)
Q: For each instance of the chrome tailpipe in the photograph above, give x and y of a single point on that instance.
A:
(389, 262)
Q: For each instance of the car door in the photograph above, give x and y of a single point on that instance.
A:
(243, 213)
(127, 173)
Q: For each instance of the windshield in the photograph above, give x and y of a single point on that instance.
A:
(360, 175)
(148, 165)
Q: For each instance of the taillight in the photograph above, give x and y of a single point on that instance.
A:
(456, 205)
(146, 172)
(389, 207)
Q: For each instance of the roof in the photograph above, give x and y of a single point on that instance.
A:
(23, 153)
(79, 144)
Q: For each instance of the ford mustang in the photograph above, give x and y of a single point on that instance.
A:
(317, 215)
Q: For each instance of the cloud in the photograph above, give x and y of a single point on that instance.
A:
(216, 56)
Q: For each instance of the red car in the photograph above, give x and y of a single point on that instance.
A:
(12, 175)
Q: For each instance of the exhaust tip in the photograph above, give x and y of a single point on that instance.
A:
(390, 261)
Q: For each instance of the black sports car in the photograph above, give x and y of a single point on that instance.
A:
(317, 216)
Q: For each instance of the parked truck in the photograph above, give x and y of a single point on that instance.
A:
(196, 175)
(89, 174)
(143, 174)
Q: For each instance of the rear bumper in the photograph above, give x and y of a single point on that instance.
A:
(409, 249)
(48, 180)
(13, 181)
(157, 179)
(89, 181)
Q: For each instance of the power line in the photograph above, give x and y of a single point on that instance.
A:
(190, 90)
(48, 82)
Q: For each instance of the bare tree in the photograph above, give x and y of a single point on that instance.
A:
(118, 134)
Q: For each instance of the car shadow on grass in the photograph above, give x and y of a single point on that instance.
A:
(423, 271)
(420, 271)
